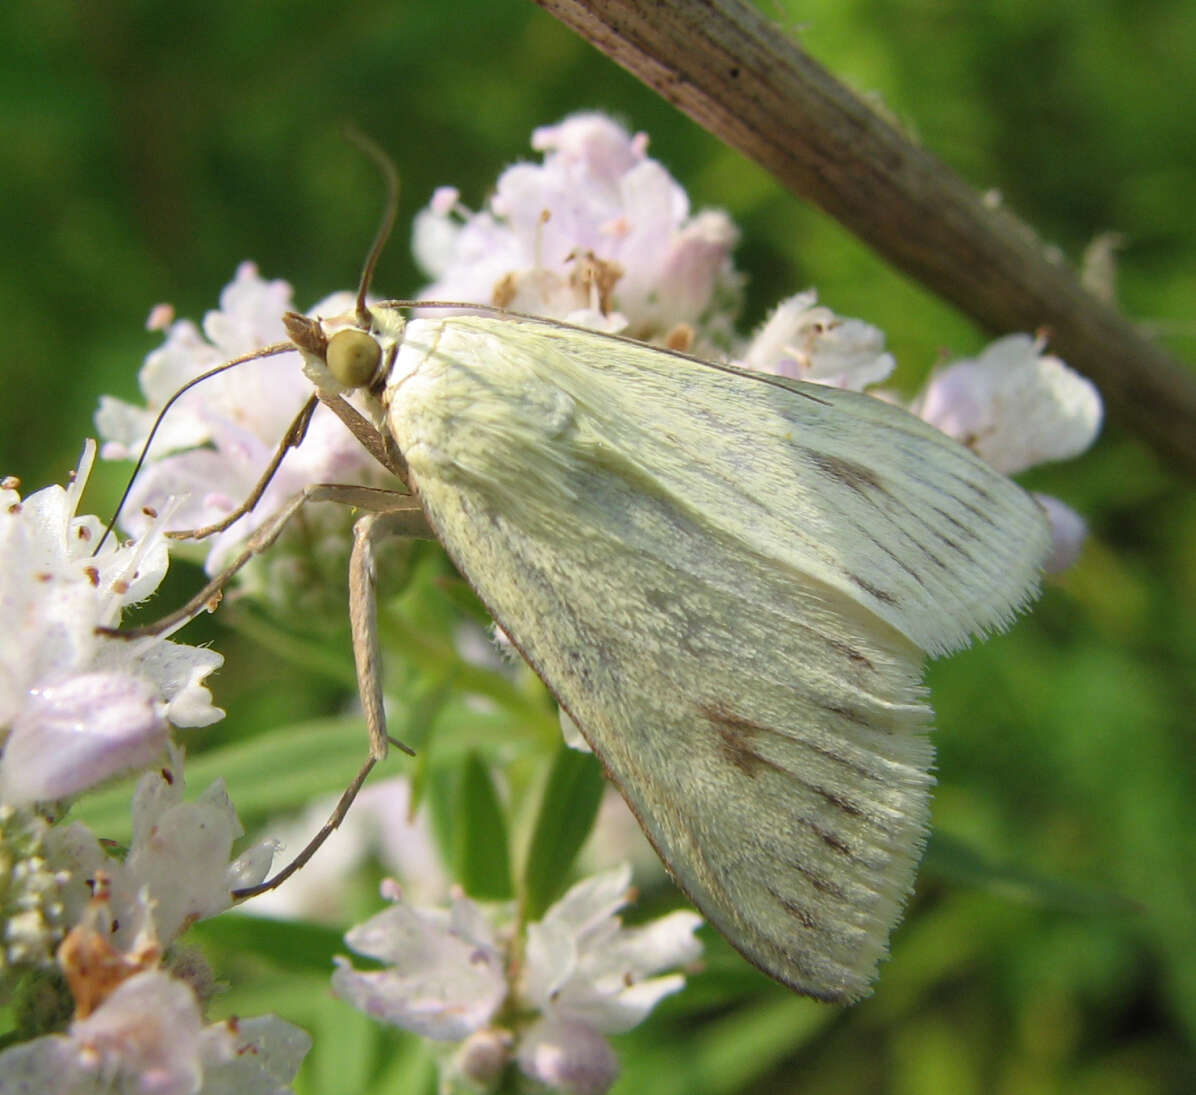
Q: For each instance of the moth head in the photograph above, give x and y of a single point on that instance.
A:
(349, 352)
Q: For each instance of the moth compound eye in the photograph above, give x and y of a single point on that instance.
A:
(353, 357)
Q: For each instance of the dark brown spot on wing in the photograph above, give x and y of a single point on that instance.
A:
(820, 882)
(849, 714)
(848, 652)
(855, 476)
(983, 515)
(799, 912)
(736, 742)
(902, 564)
(850, 765)
(976, 489)
(964, 530)
(837, 801)
(832, 841)
(956, 547)
(871, 590)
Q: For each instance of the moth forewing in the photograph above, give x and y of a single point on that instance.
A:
(837, 485)
(728, 582)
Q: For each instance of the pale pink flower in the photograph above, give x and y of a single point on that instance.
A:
(804, 340)
(598, 234)
(178, 868)
(1068, 532)
(445, 977)
(1014, 405)
(148, 1038)
(216, 441)
(76, 706)
(584, 976)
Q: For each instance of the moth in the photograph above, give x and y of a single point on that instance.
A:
(729, 581)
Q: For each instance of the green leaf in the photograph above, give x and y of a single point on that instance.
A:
(950, 858)
(483, 859)
(280, 770)
(567, 812)
(299, 946)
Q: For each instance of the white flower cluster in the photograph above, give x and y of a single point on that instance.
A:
(78, 706)
(452, 978)
(598, 235)
(149, 1036)
(219, 437)
(138, 1022)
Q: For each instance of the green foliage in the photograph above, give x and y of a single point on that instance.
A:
(566, 815)
(152, 147)
(482, 864)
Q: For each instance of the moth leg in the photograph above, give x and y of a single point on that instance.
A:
(381, 447)
(401, 507)
(378, 443)
(295, 434)
(326, 830)
(363, 618)
(387, 513)
(363, 625)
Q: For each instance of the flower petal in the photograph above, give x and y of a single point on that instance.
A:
(1014, 406)
(568, 1057)
(447, 978)
(72, 735)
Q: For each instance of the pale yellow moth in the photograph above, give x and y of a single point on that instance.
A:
(728, 580)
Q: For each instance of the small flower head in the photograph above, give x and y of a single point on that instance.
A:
(598, 234)
(178, 868)
(804, 340)
(77, 706)
(583, 976)
(1014, 406)
(446, 977)
(567, 1056)
(148, 1038)
(1068, 532)
(31, 908)
(217, 439)
(584, 966)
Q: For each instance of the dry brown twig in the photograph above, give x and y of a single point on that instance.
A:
(747, 82)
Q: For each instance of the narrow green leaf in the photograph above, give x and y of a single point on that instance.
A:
(280, 770)
(440, 792)
(299, 946)
(415, 725)
(567, 812)
(483, 858)
(950, 858)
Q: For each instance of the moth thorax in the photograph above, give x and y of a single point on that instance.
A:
(463, 407)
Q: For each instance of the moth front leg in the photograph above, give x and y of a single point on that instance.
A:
(403, 518)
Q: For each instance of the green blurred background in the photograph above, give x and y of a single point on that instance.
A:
(1051, 945)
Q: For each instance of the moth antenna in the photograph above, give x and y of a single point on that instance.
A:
(268, 351)
(390, 174)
